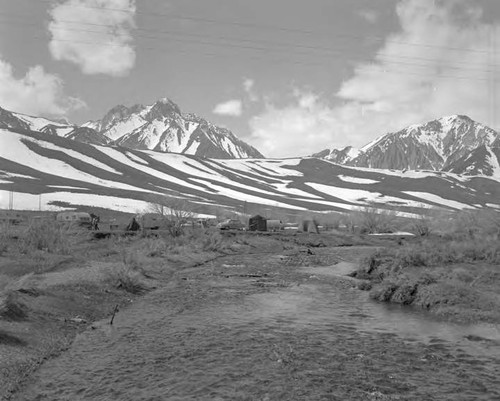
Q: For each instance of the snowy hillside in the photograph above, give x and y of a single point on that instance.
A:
(68, 171)
(455, 143)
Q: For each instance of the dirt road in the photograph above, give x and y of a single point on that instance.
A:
(256, 327)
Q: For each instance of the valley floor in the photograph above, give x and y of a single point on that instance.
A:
(264, 317)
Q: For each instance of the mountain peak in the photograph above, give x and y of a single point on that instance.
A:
(441, 144)
(160, 126)
(162, 108)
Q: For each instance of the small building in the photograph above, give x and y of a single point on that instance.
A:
(257, 223)
(274, 225)
(79, 218)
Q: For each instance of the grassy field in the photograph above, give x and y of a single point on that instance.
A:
(56, 281)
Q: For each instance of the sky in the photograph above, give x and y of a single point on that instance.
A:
(290, 77)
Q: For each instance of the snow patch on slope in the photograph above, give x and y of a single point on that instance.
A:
(439, 200)
(357, 180)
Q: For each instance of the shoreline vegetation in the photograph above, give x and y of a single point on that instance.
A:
(451, 269)
(57, 281)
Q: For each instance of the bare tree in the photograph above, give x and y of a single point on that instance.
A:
(374, 220)
(175, 211)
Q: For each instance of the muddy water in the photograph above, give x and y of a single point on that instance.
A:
(209, 337)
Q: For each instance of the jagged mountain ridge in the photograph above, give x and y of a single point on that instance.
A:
(455, 143)
(163, 127)
(160, 127)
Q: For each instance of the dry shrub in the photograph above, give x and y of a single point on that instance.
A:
(371, 220)
(127, 279)
(383, 292)
(11, 308)
(466, 224)
(214, 242)
(5, 236)
(50, 236)
(9, 339)
(155, 247)
(430, 253)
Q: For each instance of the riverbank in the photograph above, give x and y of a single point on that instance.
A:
(55, 283)
(458, 279)
(258, 325)
(229, 317)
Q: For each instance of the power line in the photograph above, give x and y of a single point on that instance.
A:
(287, 61)
(268, 27)
(387, 59)
(264, 42)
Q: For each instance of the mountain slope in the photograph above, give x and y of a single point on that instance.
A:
(74, 173)
(445, 144)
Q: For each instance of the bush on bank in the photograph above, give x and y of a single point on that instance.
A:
(454, 274)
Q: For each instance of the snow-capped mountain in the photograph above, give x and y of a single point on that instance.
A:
(455, 143)
(9, 119)
(160, 127)
(339, 156)
(163, 127)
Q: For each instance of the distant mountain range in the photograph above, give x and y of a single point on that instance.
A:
(455, 144)
(161, 127)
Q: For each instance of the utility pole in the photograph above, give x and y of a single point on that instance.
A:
(493, 60)
(11, 200)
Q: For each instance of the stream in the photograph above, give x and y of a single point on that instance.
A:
(207, 337)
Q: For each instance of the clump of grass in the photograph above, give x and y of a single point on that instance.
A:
(9, 339)
(128, 279)
(4, 238)
(155, 247)
(431, 274)
(48, 236)
(213, 242)
(11, 308)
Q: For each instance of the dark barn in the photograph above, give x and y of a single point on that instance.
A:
(257, 223)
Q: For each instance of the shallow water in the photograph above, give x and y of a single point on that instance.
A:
(405, 321)
(311, 341)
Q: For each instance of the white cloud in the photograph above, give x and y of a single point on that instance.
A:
(405, 84)
(295, 130)
(37, 93)
(248, 87)
(233, 108)
(370, 16)
(94, 35)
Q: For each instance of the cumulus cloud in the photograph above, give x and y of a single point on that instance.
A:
(233, 108)
(440, 63)
(294, 130)
(37, 93)
(94, 34)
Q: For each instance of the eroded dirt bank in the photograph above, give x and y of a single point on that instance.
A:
(260, 326)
